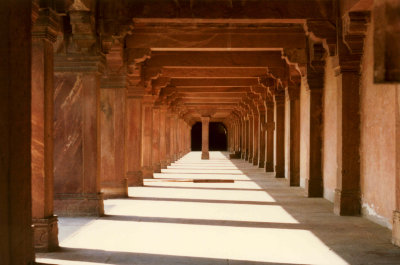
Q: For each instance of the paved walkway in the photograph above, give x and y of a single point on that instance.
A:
(257, 219)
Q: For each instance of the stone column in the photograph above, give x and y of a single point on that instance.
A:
(156, 140)
(45, 228)
(261, 142)
(114, 182)
(173, 138)
(205, 122)
(133, 137)
(270, 127)
(147, 137)
(163, 147)
(168, 138)
(16, 243)
(243, 137)
(279, 100)
(256, 135)
(396, 212)
(77, 135)
(314, 185)
(294, 136)
(251, 137)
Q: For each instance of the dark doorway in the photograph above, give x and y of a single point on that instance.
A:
(217, 137)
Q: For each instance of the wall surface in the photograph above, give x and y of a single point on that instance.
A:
(330, 137)
(378, 151)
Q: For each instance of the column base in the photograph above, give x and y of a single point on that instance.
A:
(45, 233)
(250, 159)
(90, 204)
(243, 155)
(396, 228)
(135, 178)
(234, 156)
(279, 172)
(157, 168)
(147, 173)
(269, 167)
(255, 162)
(205, 155)
(314, 188)
(261, 164)
(294, 181)
(115, 189)
(163, 164)
(347, 203)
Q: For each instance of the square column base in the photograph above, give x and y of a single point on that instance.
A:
(135, 178)
(396, 228)
(115, 189)
(314, 188)
(45, 233)
(269, 167)
(205, 155)
(163, 164)
(157, 168)
(147, 173)
(89, 204)
(261, 164)
(347, 203)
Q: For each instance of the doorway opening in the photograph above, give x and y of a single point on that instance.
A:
(218, 137)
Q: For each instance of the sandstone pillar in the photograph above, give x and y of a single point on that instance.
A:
(45, 228)
(133, 136)
(173, 149)
(168, 138)
(261, 141)
(147, 137)
(279, 153)
(396, 212)
(163, 147)
(270, 127)
(314, 185)
(77, 135)
(243, 137)
(16, 245)
(256, 135)
(156, 140)
(205, 121)
(251, 137)
(294, 136)
(112, 174)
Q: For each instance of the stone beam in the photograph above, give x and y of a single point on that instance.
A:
(231, 89)
(216, 59)
(149, 33)
(207, 95)
(210, 100)
(211, 72)
(204, 82)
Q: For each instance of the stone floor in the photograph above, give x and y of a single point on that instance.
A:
(255, 220)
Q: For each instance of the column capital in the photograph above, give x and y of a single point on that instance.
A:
(46, 25)
(78, 63)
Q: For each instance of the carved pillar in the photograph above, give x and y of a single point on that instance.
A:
(250, 137)
(168, 136)
(294, 136)
(270, 127)
(279, 100)
(163, 147)
(396, 212)
(77, 135)
(205, 121)
(173, 149)
(350, 49)
(244, 137)
(147, 137)
(261, 141)
(45, 228)
(156, 140)
(133, 136)
(256, 135)
(15, 141)
(114, 182)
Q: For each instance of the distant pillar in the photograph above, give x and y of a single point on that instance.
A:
(294, 137)
(261, 148)
(163, 147)
(270, 127)
(280, 135)
(147, 137)
(205, 121)
(156, 146)
(251, 137)
(256, 135)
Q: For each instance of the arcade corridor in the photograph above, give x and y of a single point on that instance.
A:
(257, 219)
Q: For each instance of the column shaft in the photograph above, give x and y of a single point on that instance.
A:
(205, 121)
(294, 138)
(279, 101)
(156, 141)
(147, 138)
(270, 127)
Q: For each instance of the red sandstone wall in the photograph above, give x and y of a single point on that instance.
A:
(330, 136)
(378, 154)
(304, 133)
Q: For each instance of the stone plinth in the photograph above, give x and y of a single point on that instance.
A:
(396, 228)
(90, 204)
(45, 233)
